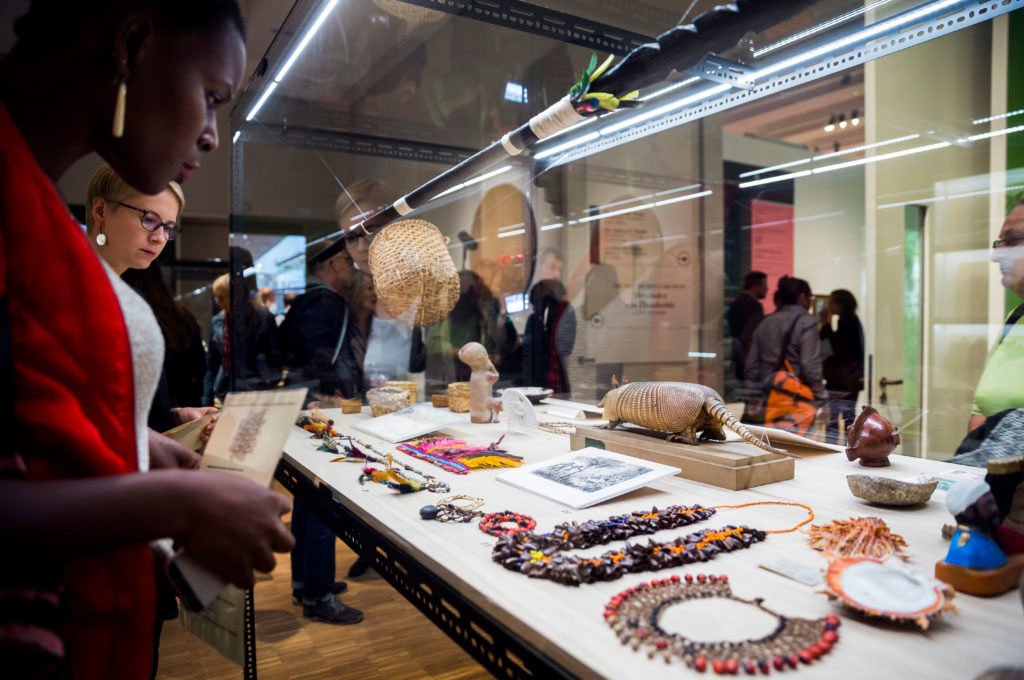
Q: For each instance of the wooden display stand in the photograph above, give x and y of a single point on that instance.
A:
(730, 465)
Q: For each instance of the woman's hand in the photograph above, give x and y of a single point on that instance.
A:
(233, 525)
(167, 454)
(187, 414)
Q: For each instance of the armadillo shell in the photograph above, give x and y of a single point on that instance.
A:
(872, 438)
(661, 406)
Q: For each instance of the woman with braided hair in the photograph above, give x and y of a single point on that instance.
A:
(83, 486)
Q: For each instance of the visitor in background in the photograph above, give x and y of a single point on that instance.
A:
(843, 368)
(359, 201)
(549, 337)
(789, 334)
(265, 298)
(318, 338)
(476, 317)
(1001, 386)
(130, 231)
(83, 491)
(549, 264)
(744, 314)
(243, 338)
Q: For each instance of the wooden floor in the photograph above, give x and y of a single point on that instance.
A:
(393, 642)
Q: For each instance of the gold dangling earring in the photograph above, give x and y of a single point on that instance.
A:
(119, 106)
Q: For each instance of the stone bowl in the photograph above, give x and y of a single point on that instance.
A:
(892, 490)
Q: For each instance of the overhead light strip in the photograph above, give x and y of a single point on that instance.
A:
(770, 180)
(994, 133)
(875, 145)
(858, 37)
(475, 180)
(293, 57)
(645, 206)
(567, 145)
(936, 199)
(780, 166)
(883, 157)
(1000, 116)
(841, 19)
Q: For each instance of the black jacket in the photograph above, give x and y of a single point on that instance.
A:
(309, 336)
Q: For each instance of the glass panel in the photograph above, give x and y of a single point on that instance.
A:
(880, 187)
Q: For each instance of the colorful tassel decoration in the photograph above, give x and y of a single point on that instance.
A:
(458, 457)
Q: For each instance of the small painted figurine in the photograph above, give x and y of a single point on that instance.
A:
(975, 563)
(483, 408)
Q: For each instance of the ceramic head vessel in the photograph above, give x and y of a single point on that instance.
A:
(871, 439)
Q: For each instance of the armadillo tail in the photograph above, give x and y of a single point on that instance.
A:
(722, 415)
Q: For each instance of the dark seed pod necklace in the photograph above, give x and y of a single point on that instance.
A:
(635, 616)
(537, 555)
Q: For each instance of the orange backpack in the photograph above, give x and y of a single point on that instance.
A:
(790, 404)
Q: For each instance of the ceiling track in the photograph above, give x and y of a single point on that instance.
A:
(364, 145)
(549, 23)
(944, 21)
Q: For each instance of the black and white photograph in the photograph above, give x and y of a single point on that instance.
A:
(586, 477)
(591, 473)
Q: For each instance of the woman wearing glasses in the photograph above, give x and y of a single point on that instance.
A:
(129, 231)
(1001, 386)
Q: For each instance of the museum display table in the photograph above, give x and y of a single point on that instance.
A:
(522, 627)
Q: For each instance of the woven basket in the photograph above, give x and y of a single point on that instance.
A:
(439, 400)
(458, 397)
(385, 400)
(413, 273)
(351, 405)
(410, 386)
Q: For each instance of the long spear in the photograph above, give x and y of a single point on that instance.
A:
(599, 91)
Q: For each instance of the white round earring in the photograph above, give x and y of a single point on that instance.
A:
(101, 239)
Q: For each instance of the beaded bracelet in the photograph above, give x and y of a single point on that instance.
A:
(491, 524)
(447, 510)
(635, 616)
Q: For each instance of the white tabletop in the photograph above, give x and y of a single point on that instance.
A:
(566, 622)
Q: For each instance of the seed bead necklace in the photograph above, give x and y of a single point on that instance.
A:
(537, 555)
(635, 616)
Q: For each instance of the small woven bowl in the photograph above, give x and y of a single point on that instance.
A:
(384, 400)
(409, 386)
(351, 405)
(458, 397)
(439, 400)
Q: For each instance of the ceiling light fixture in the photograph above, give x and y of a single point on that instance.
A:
(293, 57)
(831, 124)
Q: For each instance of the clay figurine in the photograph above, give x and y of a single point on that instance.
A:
(872, 438)
(682, 409)
(975, 563)
(483, 408)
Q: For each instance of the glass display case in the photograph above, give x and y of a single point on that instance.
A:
(866, 148)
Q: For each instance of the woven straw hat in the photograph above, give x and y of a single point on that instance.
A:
(413, 272)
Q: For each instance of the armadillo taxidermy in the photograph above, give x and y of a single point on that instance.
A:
(682, 409)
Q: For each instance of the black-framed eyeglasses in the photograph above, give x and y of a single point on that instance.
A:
(150, 221)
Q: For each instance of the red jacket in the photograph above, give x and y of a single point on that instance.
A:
(74, 408)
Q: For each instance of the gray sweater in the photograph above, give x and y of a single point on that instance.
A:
(803, 352)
